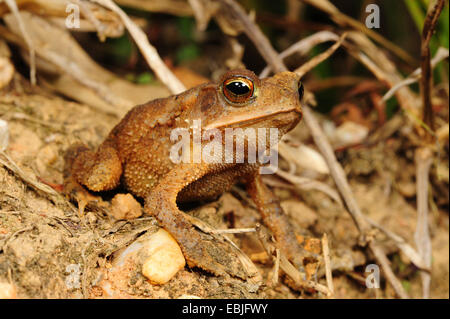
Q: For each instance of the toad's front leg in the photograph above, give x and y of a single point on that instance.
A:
(86, 170)
(200, 250)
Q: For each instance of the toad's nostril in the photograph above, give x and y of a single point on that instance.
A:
(301, 90)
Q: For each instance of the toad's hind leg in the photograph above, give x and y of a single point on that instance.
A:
(200, 250)
(274, 217)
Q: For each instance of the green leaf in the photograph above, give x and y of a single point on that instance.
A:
(145, 78)
(187, 52)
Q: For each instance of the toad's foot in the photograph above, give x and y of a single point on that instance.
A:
(76, 192)
(212, 255)
(200, 250)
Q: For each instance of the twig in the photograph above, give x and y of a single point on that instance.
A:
(383, 69)
(327, 261)
(232, 231)
(303, 46)
(148, 51)
(424, 159)
(441, 54)
(64, 62)
(202, 12)
(255, 34)
(338, 175)
(426, 85)
(297, 276)
(406, 248)
(388, 273)
(99, 26)
(248, 266)
(406, 98)
(308, 66)
(276, 268)
(304, 183)
(336, 170)
(11, 165)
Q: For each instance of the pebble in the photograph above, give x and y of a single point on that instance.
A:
(164, 259)
(124, 206)
(7, 291)
(4, 135)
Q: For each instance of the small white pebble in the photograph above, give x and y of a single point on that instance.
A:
(4, 135)
(7, 291)
(189, 297)
(164, 259)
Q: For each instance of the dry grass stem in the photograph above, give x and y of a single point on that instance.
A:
(276, 268)
(424, 159)
(311, 64)
(327, 261)
(426, 83)
(406, 248)
(352, 206)
(303, 46)
(233, 231)
(255, 34)
(285, 265)
(441, 54)
(6, 161)
(148, 51)
(304, 183)
(249, 267)
(388, 273)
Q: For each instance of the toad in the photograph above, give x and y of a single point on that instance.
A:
(137, 155)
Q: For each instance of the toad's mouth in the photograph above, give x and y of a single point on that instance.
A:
(279, 118)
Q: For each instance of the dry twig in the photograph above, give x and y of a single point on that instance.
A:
(424, 158)
(406, 248)
(303, 46)
(426, 85)
(327, 261)
(255, 34)
(276, 268)
(285, 265)
(311, 64)
(441, 54)
(304, 183)
(248, 266)
(148, 51)
(6, 161)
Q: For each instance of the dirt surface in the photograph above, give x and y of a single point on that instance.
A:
(44, 242)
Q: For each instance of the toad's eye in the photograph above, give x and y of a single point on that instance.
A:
(238, 90)
(301, 90)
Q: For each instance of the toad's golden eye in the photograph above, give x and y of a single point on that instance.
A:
(238, 90)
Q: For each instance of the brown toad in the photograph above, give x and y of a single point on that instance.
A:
(137, 154)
